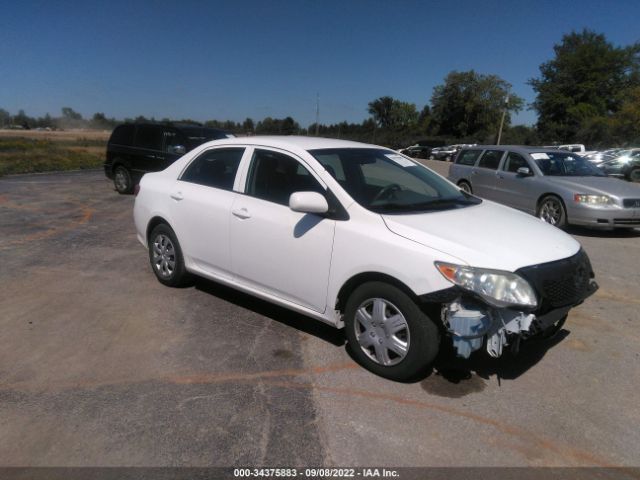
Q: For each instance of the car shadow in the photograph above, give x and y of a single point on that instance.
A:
(456, 377)
(593, 232)
(448, 376)
(274, 312)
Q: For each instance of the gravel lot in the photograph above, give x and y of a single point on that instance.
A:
(102, 365)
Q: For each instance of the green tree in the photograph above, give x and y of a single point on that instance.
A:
(469, 105)
(5, 118)
(248, 126)
(388, 112)
(70, 114)
(587, 78)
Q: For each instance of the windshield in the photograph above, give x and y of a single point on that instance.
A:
(385, 182)
(563, 164)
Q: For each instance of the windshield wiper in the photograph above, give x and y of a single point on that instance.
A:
(430, 205)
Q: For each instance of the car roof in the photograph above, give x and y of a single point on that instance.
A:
(291, 142)
(516, 148)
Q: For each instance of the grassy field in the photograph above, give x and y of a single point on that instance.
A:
(40, 151)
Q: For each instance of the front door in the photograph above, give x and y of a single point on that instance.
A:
(511, 188)
(274, 249)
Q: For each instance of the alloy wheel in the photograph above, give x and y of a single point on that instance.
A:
(551, 211)
(120, 180)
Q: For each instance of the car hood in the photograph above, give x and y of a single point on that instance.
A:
(599, 186)
(487, 235)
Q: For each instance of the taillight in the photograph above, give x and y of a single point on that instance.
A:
(136, 190)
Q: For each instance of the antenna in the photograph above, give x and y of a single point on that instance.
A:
(317, 113)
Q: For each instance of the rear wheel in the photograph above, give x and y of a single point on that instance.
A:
(465, 187)
(122, 180)
(166, 257)
(552, 211)
(634, 175)
(388, 333)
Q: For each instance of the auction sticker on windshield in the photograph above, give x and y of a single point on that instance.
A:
(540, 156)
(400, 160)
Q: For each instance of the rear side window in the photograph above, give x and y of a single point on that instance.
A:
(491, 159)
(275, 176)
(514, 161)
(149, 136)
(468, 157)
(214, 168)
(123, 135)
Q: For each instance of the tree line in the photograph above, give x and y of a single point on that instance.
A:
(588, 93)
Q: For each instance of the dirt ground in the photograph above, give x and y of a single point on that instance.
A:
(102, 365)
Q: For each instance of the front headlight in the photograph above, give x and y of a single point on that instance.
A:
(593, 199)
(498, 288)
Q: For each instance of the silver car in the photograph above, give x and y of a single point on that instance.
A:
(557, 186)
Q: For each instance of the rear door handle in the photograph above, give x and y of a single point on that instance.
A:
(242, 213)
(177, 196)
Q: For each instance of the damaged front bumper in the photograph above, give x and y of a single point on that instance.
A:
(472, 323)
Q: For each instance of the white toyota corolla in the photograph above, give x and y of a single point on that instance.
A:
(361, 237)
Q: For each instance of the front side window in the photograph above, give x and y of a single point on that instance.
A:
(214, 168)
(491, 159)
(173, 139)
(275, 176)
(514, 162)
(468, 157)
(385, 182)
(557, 164)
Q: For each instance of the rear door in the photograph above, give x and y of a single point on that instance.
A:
(483, 179)
(201, 203)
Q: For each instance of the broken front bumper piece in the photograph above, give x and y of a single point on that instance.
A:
(469, 323)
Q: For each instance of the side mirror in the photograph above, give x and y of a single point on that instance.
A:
(524, 172)
(177, 149)
(308, 202)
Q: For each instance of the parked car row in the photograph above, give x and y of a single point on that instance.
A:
(560, 187)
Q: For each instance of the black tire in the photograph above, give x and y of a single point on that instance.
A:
(167, 254)
(634, 175)
(551, 210)
(421, 336)
(466, 186)
(122, 180)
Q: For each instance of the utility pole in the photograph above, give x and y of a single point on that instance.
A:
(504, 113)
(317, 113)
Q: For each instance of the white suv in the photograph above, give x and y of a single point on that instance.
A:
(361, 237)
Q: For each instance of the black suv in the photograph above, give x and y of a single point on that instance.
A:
(135, 149)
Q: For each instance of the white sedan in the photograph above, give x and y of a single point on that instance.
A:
(361, 237)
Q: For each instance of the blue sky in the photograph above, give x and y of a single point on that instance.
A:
(237, 59)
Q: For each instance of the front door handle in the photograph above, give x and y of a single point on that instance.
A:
(177, 196)
(242, 213)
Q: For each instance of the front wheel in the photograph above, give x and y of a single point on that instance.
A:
(388, 333)
(552, 211)
(634, 175)
(465, 187)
